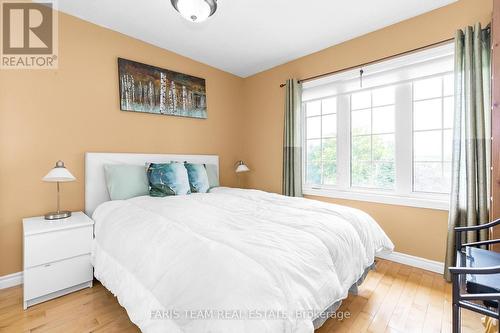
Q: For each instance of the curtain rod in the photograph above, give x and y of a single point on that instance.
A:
(373, 61)
(488, 27)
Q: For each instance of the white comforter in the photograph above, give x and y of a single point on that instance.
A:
(231, 260)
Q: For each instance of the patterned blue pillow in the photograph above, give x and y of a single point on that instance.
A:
(167, 179)
(198, 178)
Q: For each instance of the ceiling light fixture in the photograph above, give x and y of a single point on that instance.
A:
(195, 10)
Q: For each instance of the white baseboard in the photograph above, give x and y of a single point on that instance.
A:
(402, 258)
(11, 280)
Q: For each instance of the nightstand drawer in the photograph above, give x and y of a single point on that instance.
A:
(53, 246)
(45, 279)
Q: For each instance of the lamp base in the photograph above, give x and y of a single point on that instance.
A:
(58, 215)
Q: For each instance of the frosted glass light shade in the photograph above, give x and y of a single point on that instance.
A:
(195, 10)
(59, 174)
(241, 167)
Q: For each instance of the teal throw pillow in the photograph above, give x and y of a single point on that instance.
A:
(167, 179)
(213, 176)
(198, 178)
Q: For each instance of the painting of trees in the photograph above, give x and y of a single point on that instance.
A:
(145, 88)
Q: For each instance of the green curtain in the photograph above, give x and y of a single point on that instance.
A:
(469, 204)
(292, 142)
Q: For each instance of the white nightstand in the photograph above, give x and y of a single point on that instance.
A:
(56, 256)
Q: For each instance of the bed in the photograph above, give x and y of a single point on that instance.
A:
(231, 260)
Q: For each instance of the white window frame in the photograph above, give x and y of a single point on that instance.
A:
(403, 193)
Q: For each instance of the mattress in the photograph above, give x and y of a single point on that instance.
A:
(232, 260)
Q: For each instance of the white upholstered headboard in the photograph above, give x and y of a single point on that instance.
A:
(96, 191)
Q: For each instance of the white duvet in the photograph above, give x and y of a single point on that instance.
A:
(231, 260)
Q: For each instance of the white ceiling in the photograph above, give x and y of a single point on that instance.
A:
(245, 37)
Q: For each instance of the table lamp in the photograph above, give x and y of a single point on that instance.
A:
(241, 167)
(59, 174)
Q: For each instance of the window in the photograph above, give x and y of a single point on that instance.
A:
(387, 140)
(432, 134)
(321, 132)
(372, 138)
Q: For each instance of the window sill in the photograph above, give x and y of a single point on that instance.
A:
(424, 201)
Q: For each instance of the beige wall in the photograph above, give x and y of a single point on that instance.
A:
(419, 232)
(51, 115)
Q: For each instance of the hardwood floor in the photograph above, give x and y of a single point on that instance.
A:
(393, 299)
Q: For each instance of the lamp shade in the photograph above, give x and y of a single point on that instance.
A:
(241, 167)
(59, 174)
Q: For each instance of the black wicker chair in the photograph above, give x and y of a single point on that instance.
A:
(476, 277)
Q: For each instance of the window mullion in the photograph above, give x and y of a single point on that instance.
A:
(321, 142)
(404, 139)
(442, 127)
(372, 163)
(343, 142)
(304, 142)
